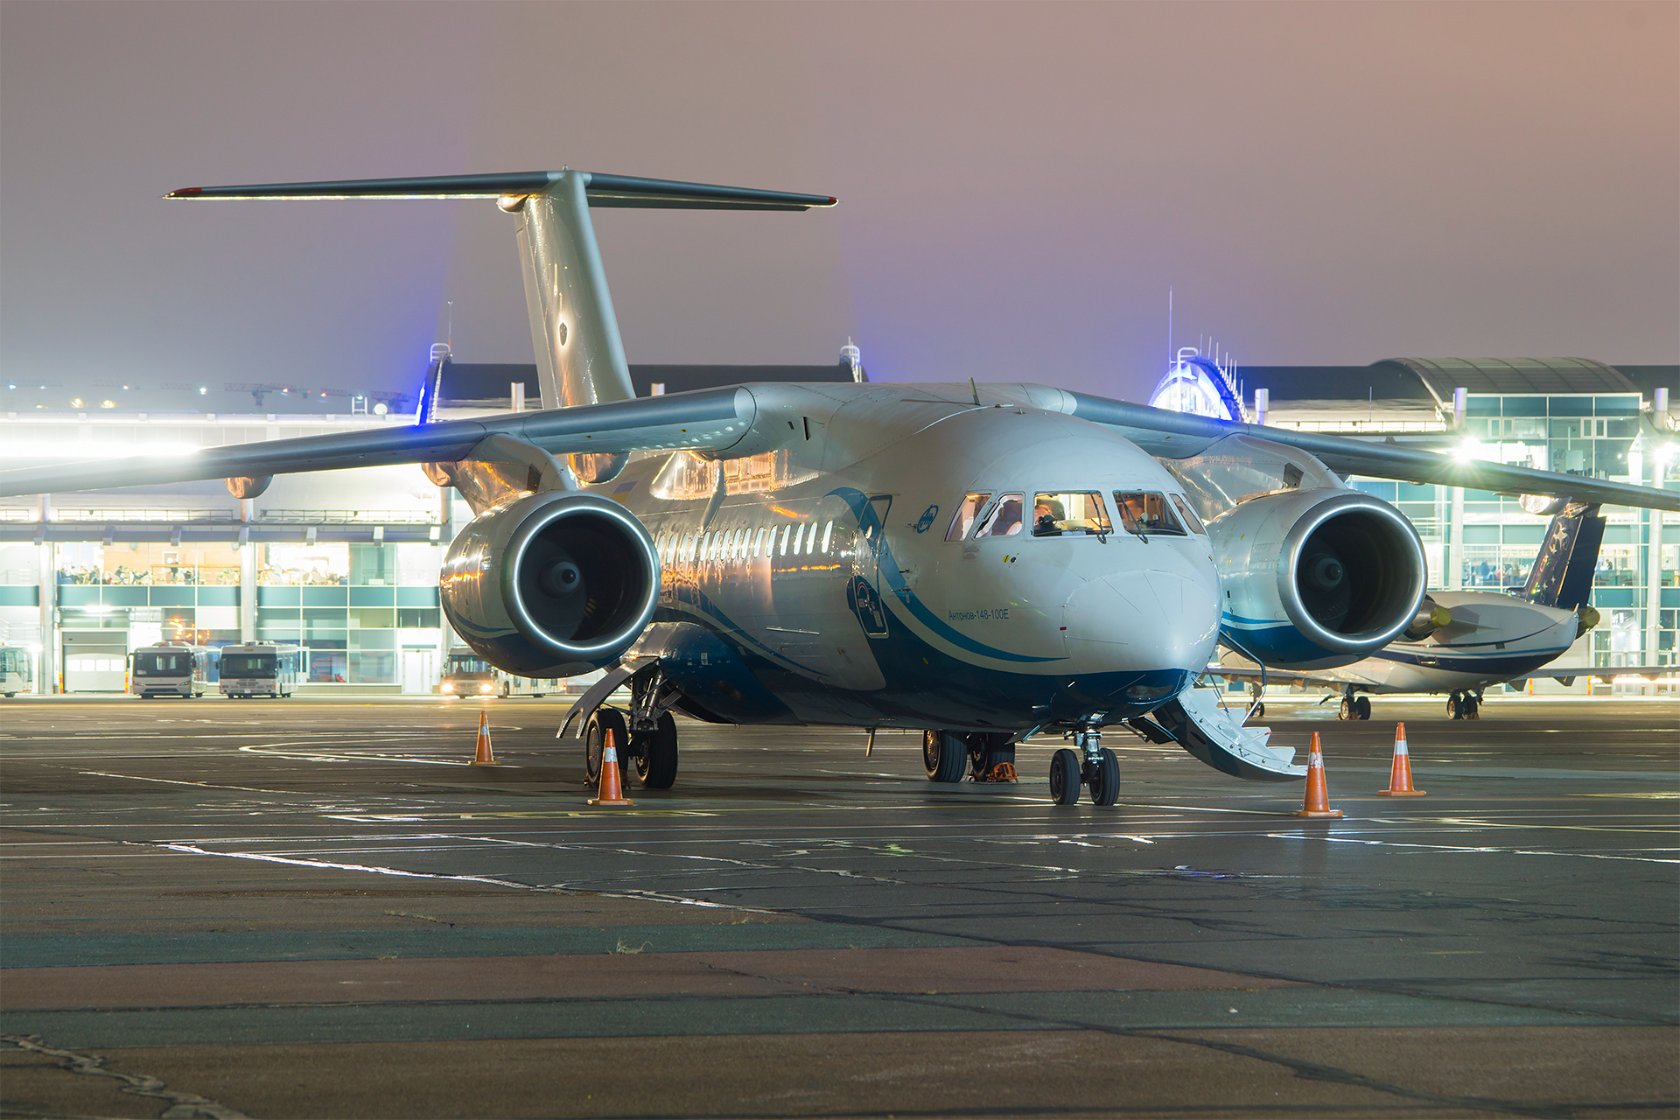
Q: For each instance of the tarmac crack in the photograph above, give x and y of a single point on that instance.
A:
(182, 1106)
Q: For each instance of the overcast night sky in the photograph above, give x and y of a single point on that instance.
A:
(1019, 184)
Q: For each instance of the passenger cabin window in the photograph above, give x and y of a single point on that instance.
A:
(1069, 512)
(966, 515)
(1147, 514)
(1004, 520)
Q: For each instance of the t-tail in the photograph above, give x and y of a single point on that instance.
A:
(580, 356)
(1562, 575)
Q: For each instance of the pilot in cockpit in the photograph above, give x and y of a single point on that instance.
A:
(1048, 515)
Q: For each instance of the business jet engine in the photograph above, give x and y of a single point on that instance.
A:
(1318, 577)
(551, 584)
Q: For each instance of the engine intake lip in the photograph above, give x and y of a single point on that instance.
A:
(1389, 570)
(628, 623)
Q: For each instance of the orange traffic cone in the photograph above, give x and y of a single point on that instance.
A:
(482, 755)
(612, 789)
(1317, 803)
(1400, 774)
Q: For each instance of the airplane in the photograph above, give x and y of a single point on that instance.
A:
(1465, 641)
(979, 562)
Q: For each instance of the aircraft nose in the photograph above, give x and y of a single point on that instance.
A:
(1142, 620)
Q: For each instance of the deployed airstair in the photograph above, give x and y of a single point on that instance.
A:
(1216, 735)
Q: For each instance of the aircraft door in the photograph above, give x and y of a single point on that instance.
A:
(865, 592)
(875, 531)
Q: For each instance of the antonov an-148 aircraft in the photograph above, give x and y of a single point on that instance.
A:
(980, 562)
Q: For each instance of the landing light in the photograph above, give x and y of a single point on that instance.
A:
(484, 688)
(1469, 450)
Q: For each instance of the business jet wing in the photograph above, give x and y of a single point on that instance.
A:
(1177, 435)
(1608, 673)
(711, 420)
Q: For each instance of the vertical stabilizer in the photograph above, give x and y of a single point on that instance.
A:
(1562, 575)
(580, 356)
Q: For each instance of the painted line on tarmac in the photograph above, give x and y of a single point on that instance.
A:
(176, 782)
(483, 880)
(1473, 850)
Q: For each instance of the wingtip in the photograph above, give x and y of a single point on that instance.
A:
(185, 192)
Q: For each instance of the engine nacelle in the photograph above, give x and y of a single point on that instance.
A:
(552, 584)
(1314, 578)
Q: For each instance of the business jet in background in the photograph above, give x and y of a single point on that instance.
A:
(1463, 642)
(979, 562)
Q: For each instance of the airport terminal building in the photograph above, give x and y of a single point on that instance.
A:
(345, 565)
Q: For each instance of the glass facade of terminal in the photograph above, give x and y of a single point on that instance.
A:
(344, 565)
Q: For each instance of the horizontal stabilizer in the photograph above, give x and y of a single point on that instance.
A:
(600, 189)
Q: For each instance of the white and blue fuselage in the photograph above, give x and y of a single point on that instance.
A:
(847, 596)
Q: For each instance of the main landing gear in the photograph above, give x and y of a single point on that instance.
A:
(1092, 764)
(983, 756)
(1354, 707)
(1464, 705)
(646, 736)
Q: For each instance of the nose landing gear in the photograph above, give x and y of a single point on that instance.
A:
(1092, 764)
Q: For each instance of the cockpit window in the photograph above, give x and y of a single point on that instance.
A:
(1188, 514)
(1147, 514)
(1062, 512)
(965, 516)
(1004, 520)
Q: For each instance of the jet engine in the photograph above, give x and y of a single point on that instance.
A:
(1313, 578)
(551, 584)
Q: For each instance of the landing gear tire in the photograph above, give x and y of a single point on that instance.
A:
(1346, 711)
(991, 756)
(656, 754)
(944, 755)
(1363, 706)
(594, 739)
(1472, 708)
(1454, 711)
(1105, 779)
(1064, 777)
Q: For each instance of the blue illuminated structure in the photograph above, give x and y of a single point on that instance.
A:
(1199, 386)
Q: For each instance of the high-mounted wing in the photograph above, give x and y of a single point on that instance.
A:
(1177, 435)
(707, 419)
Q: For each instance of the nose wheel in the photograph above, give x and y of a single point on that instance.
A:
(1091, 765)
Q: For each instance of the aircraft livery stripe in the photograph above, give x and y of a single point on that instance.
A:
(894, 578)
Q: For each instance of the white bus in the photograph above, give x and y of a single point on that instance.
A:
(169, 669)
(259, 669)
(467, 674)
(16, 669)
